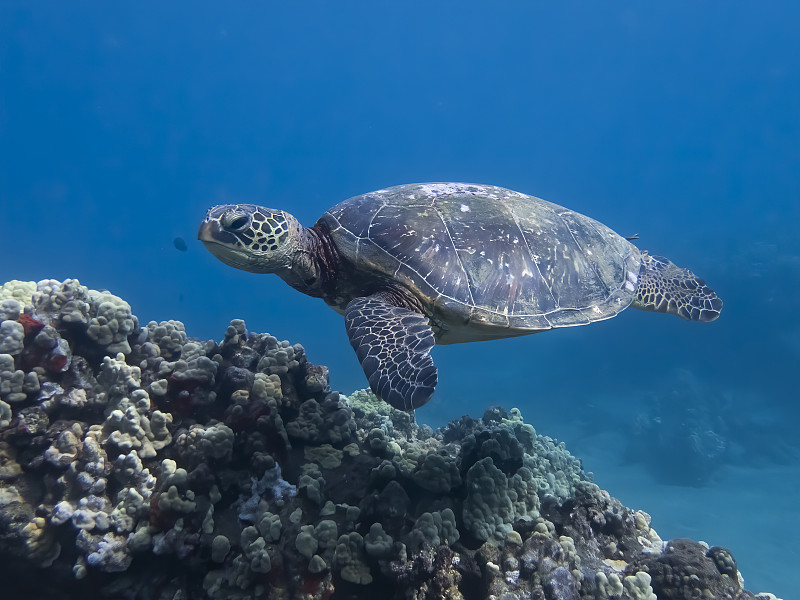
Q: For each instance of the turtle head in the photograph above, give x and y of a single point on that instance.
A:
(250, 237)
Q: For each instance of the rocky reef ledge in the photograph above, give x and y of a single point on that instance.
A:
(139, 463)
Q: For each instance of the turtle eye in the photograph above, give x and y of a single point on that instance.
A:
(235, 222)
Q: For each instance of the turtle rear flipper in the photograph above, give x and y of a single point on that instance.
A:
(393, 345)
(665, 287)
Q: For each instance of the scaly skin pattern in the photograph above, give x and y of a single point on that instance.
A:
(665, 287)
(393, 345)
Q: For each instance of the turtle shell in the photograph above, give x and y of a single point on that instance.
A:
(486, 258)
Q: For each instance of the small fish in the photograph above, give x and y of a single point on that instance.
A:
(630, 238)
(180, 244)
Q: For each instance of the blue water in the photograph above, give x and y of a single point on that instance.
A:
(120, 123)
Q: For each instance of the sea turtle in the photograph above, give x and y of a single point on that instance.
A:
(418, 264)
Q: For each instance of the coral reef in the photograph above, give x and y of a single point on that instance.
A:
(137, 462)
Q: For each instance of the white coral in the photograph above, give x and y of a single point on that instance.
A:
(11, 337)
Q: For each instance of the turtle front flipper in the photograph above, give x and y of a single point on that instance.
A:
(393, 345)
(665, 287)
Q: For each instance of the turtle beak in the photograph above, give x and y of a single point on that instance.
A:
(204, 234)
(207, 231)
(211, 231)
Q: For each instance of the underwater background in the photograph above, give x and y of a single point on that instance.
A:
(120, 125)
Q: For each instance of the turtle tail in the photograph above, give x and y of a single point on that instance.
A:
(665, 287)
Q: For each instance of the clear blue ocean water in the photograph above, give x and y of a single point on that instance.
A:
(120, 123)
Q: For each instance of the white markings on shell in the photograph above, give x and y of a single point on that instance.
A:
(632, 281)
(443, 189)
(464, 208)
